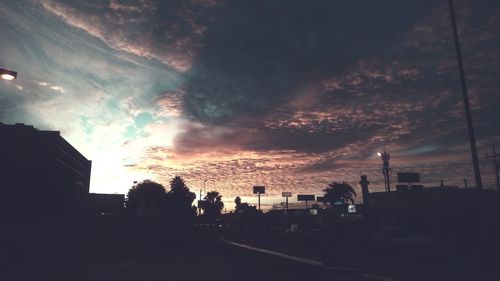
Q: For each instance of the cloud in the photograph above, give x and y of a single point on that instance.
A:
(103, 91)
(290, 96)
(254, 61)
(170, 103)
(58, 89)
(166, 31)
(398, 92)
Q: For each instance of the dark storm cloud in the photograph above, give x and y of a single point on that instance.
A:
(256, 54)
(403, 92)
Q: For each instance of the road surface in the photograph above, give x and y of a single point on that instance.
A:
(164, 257)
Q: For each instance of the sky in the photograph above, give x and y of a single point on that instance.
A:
(230, 94)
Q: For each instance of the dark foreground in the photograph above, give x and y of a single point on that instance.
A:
(156, 257)
(187, 255)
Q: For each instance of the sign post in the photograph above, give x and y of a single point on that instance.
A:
(258, 189)
(286, 195)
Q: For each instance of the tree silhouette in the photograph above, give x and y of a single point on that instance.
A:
(180, 200)
(213, 206)
(237, 201)
(146, 198)
(244, 208)
(339, 192)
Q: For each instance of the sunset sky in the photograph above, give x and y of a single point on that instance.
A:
(286, 94)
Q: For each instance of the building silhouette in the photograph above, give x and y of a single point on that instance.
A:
(104, 204)
(437, 210)
(41, 173)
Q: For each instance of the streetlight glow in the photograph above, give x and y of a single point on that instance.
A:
(379, 153)
(6, 74)
(8, 77)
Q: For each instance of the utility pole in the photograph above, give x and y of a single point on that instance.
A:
(495, 164)
(468, 116)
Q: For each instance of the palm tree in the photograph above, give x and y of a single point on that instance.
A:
(180, 200)
(237, 201)
(339, 192)
(213, 205)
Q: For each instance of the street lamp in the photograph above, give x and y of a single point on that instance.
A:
(386, 170)
(6, 74)
(201, 199)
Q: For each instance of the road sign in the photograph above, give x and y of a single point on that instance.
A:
(286, 194)
(304, 197)
(258, 189)
(408, 177)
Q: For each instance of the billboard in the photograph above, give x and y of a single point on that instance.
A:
(286, 194)
(408, 177)
(258, 189)
(304, 197)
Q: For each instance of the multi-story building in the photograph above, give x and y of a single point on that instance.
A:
(41, 173)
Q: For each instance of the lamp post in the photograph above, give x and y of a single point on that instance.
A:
(204, 188)
(201, 199)
(386, 170)
(6, 74)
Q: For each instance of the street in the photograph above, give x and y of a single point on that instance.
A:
(163, 257)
